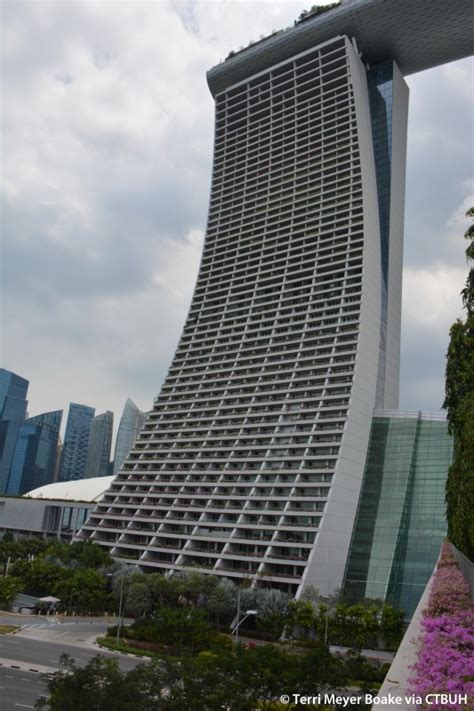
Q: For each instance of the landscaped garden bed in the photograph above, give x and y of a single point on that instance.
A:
(446, 661)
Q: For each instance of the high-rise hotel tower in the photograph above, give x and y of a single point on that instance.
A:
(250, 464)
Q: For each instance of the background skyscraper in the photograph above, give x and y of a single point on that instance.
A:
(100, 443)
(76, 441)
(13, 404)
(34, 460)
(131, 423)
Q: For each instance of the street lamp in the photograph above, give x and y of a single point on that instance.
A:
(248, 613)
(73, 590)
(120, 620)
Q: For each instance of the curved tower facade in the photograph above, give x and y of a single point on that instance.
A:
(251, 462)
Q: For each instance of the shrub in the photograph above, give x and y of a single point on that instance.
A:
(446, 660)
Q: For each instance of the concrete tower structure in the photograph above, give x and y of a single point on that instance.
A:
(251, 463)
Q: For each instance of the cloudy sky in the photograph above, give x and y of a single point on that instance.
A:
(107, 142)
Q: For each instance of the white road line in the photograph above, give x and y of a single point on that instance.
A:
(25, 706)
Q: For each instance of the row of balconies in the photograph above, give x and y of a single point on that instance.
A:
(288, 113)
(345, 286)
(311, 104)
(309, 62)
(248, 352)
(224, 262)
(289, 183)
(284, 187)
(348, 179)
(264, 367)
(270, 299)
(294, 78)
(285, 160)
(261, 326)
(292, 221)
(246, 159)
(181, 367)
(229, 240)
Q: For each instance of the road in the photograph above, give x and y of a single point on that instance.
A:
(37, 648)
(19, 689)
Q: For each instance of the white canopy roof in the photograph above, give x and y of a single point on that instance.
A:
(80, 490)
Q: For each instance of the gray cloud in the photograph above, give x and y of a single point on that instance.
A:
(108, 128)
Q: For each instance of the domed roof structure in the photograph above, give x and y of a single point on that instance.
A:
(77, 490)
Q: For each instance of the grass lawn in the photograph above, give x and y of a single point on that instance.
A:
(8, 629)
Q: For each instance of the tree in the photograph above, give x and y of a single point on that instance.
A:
(301, 617)
(392, 626)
(98, 686)
(221, 601)
(138, 600)
(272, 611)
(9, 588)
(459, 403)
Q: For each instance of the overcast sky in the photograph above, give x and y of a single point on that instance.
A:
(107, 139)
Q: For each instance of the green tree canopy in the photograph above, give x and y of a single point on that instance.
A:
(459, 403)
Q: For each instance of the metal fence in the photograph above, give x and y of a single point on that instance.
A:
(467, 568)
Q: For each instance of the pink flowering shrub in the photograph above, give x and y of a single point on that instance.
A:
(446, 660)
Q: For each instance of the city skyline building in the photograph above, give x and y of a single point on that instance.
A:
(34, 459)
(131, 423)
(13, 406)
(99, 446)
(250, 465)
(76, 441)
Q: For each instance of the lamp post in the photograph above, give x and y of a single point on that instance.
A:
(70, 600)
(330, 599)
(120, 621)
(248, 613)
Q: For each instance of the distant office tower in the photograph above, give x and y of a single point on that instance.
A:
(59, 450)
(13, 404)
(131, 423)
(251, 463)
(76, 442)
(100, 444)
(400, 521)
(35, 454)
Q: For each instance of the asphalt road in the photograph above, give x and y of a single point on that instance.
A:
(37, 648)
(19, 689)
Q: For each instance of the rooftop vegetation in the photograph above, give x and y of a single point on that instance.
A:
(313, 12)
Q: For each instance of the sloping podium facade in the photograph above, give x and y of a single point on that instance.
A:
(250, 464)
(400, 523)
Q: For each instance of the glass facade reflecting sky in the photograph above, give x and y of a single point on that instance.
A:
(13, 404)
(76, 441)
(400, 523)
(35, 455)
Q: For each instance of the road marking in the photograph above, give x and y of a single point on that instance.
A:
(24, 678)
(9, 676)
(25, 706)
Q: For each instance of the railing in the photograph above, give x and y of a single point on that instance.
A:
(467, 568)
